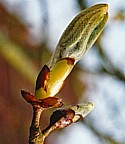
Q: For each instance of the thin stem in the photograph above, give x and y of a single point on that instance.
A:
(35, 131)
(48, 131)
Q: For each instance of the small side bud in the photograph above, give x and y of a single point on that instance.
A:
(67, 115)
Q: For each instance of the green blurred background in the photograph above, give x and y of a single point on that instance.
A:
(29, 31)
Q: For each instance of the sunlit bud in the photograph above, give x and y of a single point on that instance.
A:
(81, 33)
(78, 37)
(68, 114)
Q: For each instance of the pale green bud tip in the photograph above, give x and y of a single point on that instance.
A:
(82, 110)
(87, 107)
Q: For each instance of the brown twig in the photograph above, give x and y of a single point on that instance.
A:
(35, 131)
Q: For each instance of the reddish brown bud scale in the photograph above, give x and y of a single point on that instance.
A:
(29, 97)
(60, 119)
(43, 103)
(43, 77)
(70, 61)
